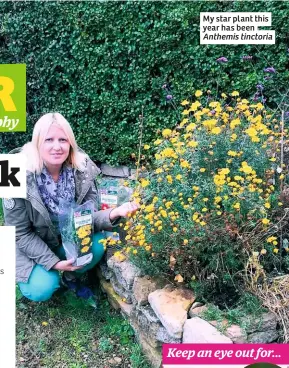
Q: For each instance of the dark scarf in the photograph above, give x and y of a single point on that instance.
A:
(54, 194)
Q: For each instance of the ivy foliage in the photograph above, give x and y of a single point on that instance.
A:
(98, 63)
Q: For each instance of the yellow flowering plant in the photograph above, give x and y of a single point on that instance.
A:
(76, 229)
(213, 195)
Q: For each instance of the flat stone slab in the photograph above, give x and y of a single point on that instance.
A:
(171, 307)
(197, 330)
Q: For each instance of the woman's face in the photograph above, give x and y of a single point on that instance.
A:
(55, 148)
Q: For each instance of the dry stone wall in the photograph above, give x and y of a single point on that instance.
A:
(162, 313)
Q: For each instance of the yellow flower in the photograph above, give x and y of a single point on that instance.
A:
(275, 242)
(85, 241)
(238, 178)
(210, 124)
(198, 93)
(267, 205)
(84, 249)
(166, 133)
(235, 93)
(183, 122)
(168, 152)
(168, 204)
(263, 251)
(234, 123)
(185, 164)
(158, 156)
(175, 229)
(134, 251)
(179, 177)
(44, 323)
(195, 216)
(202, 169)
(194, 107)
(216, 130)
(159, 170)
(146, 147)
(276, 250)
(185, 102)
(192, 144)
(157, 142)
(224, 95)
(144, 183)
(232, 153)
(224, 171)
(265, 221)
(271, 239)
(169, 179)
(186, 241)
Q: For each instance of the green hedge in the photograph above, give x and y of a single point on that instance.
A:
(98, 63)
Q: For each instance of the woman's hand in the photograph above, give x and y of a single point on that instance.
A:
(66, 266)
(124, 210)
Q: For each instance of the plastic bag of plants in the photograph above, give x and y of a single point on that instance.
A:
(76, 229)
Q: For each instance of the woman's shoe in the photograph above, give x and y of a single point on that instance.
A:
(82, 291)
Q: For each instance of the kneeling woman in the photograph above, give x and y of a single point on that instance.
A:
(56, 170)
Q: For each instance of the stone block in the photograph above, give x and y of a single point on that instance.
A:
(125, 272)
(154, 355)
(264, 337)
(196, 330)
(114, 299)
(149, 313)
(236, 334)
(124, 294)
(171, 307)
(105, 271)
(267, 321)
(143, 286)
(197, 311)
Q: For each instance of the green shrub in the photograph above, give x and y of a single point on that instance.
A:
(210, 213)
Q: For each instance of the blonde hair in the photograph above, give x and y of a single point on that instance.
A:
(75, 159)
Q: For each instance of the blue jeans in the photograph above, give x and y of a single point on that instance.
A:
(42, 284)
